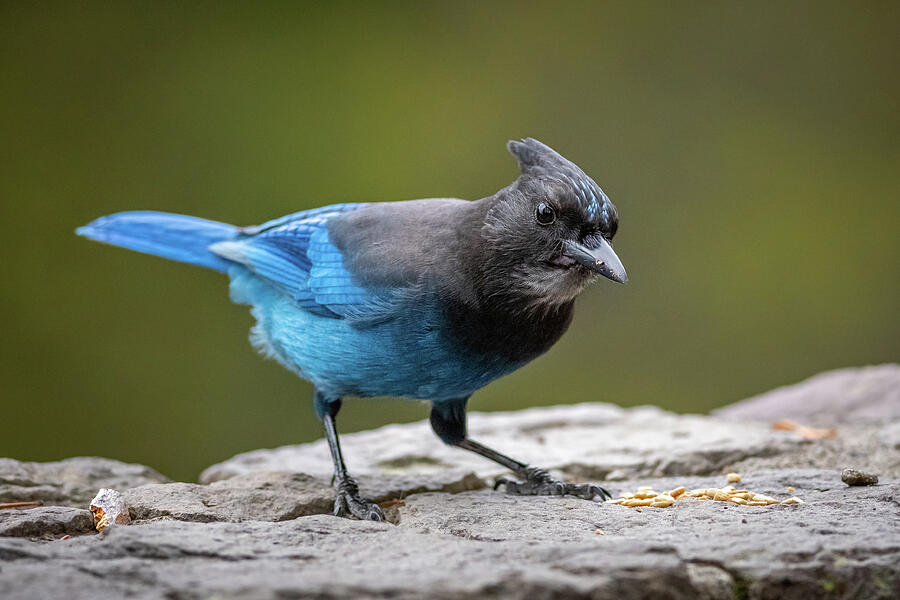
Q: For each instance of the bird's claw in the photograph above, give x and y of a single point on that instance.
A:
(537, 482)
(348, 503)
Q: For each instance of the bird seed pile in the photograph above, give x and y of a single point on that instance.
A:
(647, 496)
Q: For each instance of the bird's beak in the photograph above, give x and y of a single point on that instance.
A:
(600, 260)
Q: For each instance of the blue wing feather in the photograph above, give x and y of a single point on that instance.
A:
(295, 253)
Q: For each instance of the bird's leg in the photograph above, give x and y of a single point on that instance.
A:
(347, 499)
(448, 419)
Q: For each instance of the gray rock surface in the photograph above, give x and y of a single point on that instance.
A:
(866, 394)
(254, 532)
(484, 544)
(586, 441)
(258, 496)
(70, 482)
(45, 522)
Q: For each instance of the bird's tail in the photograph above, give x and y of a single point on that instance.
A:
(176, 237)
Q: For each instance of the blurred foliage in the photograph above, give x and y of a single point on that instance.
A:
(752, 152)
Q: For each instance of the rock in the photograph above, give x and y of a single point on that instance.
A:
(268, 496)
(45, 522)
(890, 435)
(252, 532)
(485, 544)
(856, 395)
(257, 496)
(857, 477)
(70, 482)
(584, 441)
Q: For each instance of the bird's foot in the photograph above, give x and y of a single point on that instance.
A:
(348, 502)
(539, 483)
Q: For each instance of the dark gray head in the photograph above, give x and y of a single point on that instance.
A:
(552, 228)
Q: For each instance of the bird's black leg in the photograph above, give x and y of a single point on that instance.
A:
(347, 501)
(448, 419)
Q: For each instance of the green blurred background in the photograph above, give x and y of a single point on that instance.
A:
(753, 153)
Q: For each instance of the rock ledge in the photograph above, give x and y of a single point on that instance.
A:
(258, 524)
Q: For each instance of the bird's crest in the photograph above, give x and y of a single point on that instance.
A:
(537, 159)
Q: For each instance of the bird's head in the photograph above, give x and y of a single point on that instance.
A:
(552, 228)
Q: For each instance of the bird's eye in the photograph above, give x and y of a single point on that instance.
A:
(545, 214)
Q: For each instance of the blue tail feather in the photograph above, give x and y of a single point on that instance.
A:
(176, 237)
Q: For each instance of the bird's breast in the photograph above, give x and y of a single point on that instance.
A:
(506, 333)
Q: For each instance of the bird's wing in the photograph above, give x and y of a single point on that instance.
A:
(295, 254)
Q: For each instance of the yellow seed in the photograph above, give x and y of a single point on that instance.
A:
(637, 502)
(721, 495)
(793, 500)
(766, 499)
(599, 532)
(737, 500)
(659, 502)
(733, 477)
(757, 503)
(677, 492)
(790, 489)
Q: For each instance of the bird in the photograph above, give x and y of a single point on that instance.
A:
(428, 299)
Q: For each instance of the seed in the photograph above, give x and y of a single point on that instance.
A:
(663, 500)
(637, 502)
(792, 500)
(733, 477)
(764, 498)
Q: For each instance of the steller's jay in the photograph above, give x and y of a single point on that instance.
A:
(428, 299)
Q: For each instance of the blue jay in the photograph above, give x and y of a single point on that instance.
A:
(428, 299)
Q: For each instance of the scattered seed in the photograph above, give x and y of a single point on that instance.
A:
(793, 500)
(646, 496)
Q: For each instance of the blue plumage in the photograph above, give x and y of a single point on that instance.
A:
(428, 299)
(176, 237)
(311, 316)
